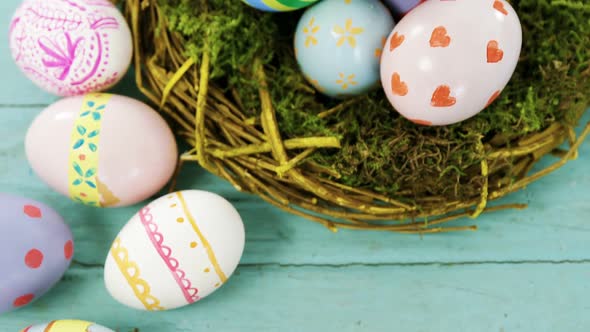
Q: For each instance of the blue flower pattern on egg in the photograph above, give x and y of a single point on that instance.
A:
(87, 138)
(338, 45)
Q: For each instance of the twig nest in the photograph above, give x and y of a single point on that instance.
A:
(227, 77)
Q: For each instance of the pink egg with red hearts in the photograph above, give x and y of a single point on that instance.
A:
(35, 251)
(71, 47)
(446, 61)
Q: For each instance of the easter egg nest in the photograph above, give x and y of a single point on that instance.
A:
(226, 76)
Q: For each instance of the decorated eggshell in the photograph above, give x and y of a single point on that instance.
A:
(402, 7)
(175, 251)
(102, 149)
(438, 70)
(279, 5)
(339, 44)
(35, 251)
(67, 326)
(71, 47)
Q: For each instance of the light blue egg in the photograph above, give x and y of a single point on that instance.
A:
(338, 44)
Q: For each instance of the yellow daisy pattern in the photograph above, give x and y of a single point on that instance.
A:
(310, 30)
(347, 34)
(346, 81)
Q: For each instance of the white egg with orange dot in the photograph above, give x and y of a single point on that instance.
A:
(447, 60)
(175, 251)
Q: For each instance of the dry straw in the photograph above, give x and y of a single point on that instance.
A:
(251, 153)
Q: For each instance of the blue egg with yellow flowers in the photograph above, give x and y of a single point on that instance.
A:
(338, 45)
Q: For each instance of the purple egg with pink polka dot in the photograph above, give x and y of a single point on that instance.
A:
(71, 47)
(35, 251)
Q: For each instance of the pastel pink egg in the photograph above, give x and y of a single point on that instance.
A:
(446, 61)
(71, 47)
(102, 150)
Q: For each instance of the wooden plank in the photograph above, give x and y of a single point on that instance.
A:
(555, 228)
(476, 297)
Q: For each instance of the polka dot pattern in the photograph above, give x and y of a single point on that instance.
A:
(34, 259)
(23, 300)
(69, 249)
(36, 250)
(32, 211)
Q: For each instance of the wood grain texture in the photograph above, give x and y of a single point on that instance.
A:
(523, 271)
(458, 298)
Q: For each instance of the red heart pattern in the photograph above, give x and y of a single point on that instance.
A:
(398, 87)
(440, 38)
(452, 95)
(495, 54)
(499, 6)
(442, 97)
(396, 41)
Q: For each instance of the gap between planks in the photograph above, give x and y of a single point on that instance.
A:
(371, 265)
(24, 106)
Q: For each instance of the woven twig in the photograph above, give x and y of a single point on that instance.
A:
(251, 154)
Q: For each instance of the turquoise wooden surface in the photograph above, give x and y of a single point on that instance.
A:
(522, 271)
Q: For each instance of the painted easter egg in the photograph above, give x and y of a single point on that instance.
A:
(402, 7)
(339, 44)
(175, 251)
(438, 70)
(102, 150)
(71, 47)
(35, 251)
(279, 5)
(67, 326)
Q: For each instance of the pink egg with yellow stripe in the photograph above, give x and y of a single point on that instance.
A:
(175, 251)
(101, 149)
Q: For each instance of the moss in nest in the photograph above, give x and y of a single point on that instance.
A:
(232, 34)
(380, 150)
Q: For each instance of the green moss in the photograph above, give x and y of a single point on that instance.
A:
(381, 150)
